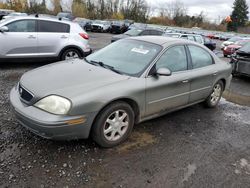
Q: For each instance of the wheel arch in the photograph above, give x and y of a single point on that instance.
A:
(133, 104)
(71, 47)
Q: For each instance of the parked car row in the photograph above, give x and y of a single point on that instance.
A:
(112, 26)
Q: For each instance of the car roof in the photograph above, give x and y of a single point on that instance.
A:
(161, 40)
(42, 17)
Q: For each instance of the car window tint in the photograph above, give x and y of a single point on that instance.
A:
(200, 57)
(198, 39)
(184, 37)
(22, 26)
(174, 59)
(146, 32)
(53, 27)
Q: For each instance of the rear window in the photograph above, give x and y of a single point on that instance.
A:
(53, 27)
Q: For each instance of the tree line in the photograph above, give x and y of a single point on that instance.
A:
(172, 13)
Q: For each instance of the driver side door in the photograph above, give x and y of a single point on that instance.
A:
(20, 41)
(168, 92)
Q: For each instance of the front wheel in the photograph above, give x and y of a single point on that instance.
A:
(214, 98)
(113, 125)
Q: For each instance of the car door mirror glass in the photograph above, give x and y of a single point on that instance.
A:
(163, 72)
(4, 29)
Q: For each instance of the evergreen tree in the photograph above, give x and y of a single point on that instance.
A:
(239, 15)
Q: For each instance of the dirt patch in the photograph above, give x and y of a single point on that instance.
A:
(137, 140)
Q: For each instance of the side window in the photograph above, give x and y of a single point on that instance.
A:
(198, 39)
(154, 32)
(174, 59)
(146, 32)
(200, 57)
(52, 27)
(184, 37)
(190, 37)
(22, 26)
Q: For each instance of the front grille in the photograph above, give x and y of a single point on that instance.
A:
(24, 93)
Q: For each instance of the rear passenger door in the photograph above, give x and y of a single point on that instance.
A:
(52, 37)
(203, 73)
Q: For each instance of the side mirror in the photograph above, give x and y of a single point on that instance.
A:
(163, 72)
(4, 29)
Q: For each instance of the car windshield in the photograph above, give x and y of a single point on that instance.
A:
(130, 57)
(246, 47)
(234, 39)
(133, 32)
(6, 19)
(241, 42)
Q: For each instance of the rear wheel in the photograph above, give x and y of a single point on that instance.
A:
(113, 124)
(70, 53)
(214, 98)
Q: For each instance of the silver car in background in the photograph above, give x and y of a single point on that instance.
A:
(32, 37)
(125, 83)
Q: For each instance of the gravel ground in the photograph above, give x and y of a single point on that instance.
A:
(194, 147)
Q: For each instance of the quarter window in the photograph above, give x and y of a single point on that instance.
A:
(174, 59)
(53, 27)
(22, 26)
(200, 57)
(198, 39)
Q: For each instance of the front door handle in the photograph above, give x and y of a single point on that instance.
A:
(31, 37)
(185, 81)
(215, 73)
(64, 37)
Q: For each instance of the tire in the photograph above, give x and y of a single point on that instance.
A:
(107, 120)
(70, 53)
(214, 98)
(224, 55)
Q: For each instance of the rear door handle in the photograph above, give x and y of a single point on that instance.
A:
(31, 37)
(185, 81)
(64, 37)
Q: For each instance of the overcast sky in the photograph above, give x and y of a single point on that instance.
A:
(213, 9)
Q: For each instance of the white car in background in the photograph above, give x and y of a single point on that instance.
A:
(101, 26)
(39, 37)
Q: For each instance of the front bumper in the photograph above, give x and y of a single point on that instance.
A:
(49, 125)
(241, 66)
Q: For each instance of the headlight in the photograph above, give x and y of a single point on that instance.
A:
(54, 104)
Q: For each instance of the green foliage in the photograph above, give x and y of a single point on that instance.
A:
(239, 15)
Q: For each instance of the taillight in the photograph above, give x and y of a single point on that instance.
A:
(85, 36)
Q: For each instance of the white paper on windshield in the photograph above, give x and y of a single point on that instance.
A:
(139, 50)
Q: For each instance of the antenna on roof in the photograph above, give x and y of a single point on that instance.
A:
(59, 18)
(36, 15)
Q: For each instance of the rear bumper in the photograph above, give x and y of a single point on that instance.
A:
(48, 125)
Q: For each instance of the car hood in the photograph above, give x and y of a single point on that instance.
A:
(68, 79)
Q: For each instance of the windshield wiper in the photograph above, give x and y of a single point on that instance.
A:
(104, 66)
